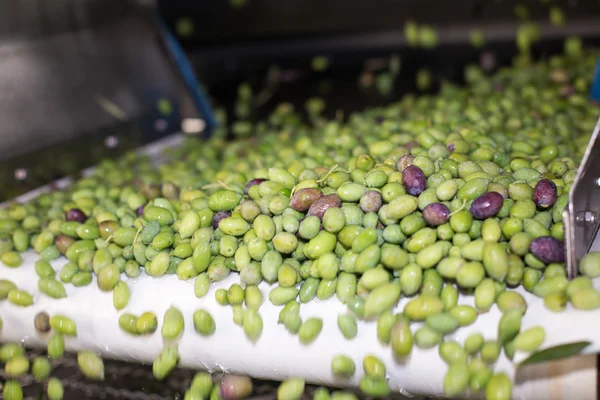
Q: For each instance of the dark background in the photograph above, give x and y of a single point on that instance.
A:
(56, 56)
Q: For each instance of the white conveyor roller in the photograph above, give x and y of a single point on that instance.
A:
(278, 354)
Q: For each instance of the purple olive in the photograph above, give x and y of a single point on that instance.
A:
(548, 249)
(405, 161)
(235, 387)
(219, 216)
(321, 205)
(75, 214)
(544, 193)
(253, 182)
(140, 211)
(487, 205)
(62, 243)
(413, 180)
(370, 201)
(436, 214)
(304, 198)
(451, 147)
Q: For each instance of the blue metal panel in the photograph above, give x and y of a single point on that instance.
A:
(595, 95)
(187, 72)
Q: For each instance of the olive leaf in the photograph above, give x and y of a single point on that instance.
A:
(555, 353)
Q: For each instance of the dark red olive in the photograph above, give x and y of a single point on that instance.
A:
(62, 243)
(253, 182)
(219, 216)
(321, 205)
(436, 214)
(545, 193)
(140, 211)
(304, 198)
(487, 205)
(548, 249)
(413, 180)
(75, 214)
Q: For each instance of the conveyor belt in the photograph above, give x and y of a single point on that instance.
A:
(278, 354)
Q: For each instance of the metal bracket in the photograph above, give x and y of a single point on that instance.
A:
(582, 216)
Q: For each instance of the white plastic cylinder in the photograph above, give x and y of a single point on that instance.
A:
(278, 354)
